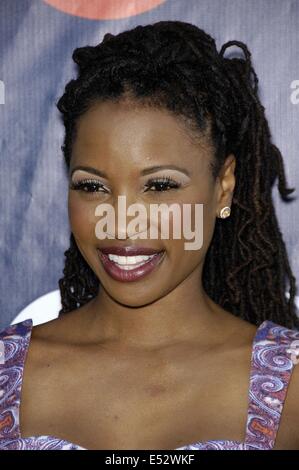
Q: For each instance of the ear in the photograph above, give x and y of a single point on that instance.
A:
(226, 183)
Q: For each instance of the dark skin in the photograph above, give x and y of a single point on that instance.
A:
(154, 363)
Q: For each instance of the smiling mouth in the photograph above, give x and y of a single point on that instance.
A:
(130, 268)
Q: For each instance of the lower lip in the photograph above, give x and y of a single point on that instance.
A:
(139, 272)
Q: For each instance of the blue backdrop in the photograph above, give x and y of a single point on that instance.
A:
(36, 43)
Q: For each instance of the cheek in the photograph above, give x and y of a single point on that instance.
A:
(81, 217)
(209, 219)
(197, 230)
(193, 232)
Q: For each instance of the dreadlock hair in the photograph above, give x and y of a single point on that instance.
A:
(175, 65)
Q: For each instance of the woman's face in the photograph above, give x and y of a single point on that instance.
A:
(120, 146)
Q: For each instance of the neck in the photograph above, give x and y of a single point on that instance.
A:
(185, 314)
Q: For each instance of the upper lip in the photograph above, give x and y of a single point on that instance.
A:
(128, 250)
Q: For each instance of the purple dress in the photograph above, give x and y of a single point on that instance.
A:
(275, 352)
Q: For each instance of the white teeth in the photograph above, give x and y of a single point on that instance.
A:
(129, 260)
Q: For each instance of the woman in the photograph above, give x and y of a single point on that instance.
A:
(180, 349)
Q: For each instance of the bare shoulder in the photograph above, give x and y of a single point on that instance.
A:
(52, 342)
(236, 331)
(61, 330)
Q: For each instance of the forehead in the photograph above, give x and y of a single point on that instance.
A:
(134, 132)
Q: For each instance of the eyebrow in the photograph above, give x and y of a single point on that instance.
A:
(151, 169)
(144, 172)
(90, 169)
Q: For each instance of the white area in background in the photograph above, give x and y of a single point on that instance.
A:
(46, 308)
(41, 310)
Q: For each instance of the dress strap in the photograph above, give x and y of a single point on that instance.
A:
(14, 342)
(274, 355)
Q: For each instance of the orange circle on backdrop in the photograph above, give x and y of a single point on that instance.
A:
(104, 9)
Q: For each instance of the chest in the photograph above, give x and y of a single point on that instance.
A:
(127, 402)
(165, 402)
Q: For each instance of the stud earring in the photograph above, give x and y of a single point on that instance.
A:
(225, 212)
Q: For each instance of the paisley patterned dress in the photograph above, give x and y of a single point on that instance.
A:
(275, 352)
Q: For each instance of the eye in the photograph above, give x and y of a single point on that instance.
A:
(162, 184)
(88, 186)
